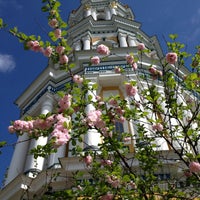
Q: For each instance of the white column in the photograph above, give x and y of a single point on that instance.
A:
(108, 14)
(113, 6)
(36, 165)
(87, 10)
(131, 41)
(122, 40)
(94, 14)
(92, 138)
(86, 42)
(53, 160)
(77, 45)
(18, 160)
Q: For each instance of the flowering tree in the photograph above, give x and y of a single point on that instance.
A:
(162, 106)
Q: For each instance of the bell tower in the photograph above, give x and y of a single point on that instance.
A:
(108, 22)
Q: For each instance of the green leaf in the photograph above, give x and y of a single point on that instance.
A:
(45, 8)
(57, 5)
(2, 143)
(173, 36)
(1, 23)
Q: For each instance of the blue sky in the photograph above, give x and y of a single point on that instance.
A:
(18, 68)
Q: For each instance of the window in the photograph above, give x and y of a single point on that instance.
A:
(119, 127)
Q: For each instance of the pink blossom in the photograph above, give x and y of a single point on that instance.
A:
(187, 173)
(101, 103)
(132, 185)
(130, 59)
(157, 127)
(121, 119)
(53, 23)
(60, 49)
(127, 139)
(11, 129)
(95, 60)
(98, 98)
(34, 45)
(88, 159)
(134, 66)
(130, 89)
(107, 197)
(109, 179)
(62, 121)
(194, 167)
(28, 126)
(20, 125)
(103, 50)
(119, 110)
(77, 79)
(115, 183)
(107, 162)
(39, 124)
(140, 46)
(113, 180)
(58, 33)
(63, 59)
(79, 187)
(153, 70)
(106, 133)
(118, 69)
(100, 124)
(93, 117)
(171, 58)
(65, 102)
(113, 102)
(48, 51)
(61, 136)
(50, 121)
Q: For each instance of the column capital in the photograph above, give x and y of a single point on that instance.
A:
(86, 37)
(47, 102)
(87, 7)
(131, 37)
(122, 35)
(113, 4)
(48, 96)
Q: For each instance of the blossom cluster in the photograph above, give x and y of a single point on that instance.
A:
(34, 45)
(48, 51)
(171, 57)
(194, 167)
(60, 124)
(94, 118)
(77, 79)
(116, 112)
(154, 72)
(130, 59)
(157, 127)
(114, 181)
(65, 102)
(103, 50)
(131, 90)
(60, 133)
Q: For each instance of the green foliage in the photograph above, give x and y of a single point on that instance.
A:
(2, 144)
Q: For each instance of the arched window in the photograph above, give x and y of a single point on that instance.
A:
(101, 16)
(119, 127)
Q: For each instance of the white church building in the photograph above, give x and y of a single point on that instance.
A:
(94, 22)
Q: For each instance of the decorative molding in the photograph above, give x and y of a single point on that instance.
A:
(113, 4)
